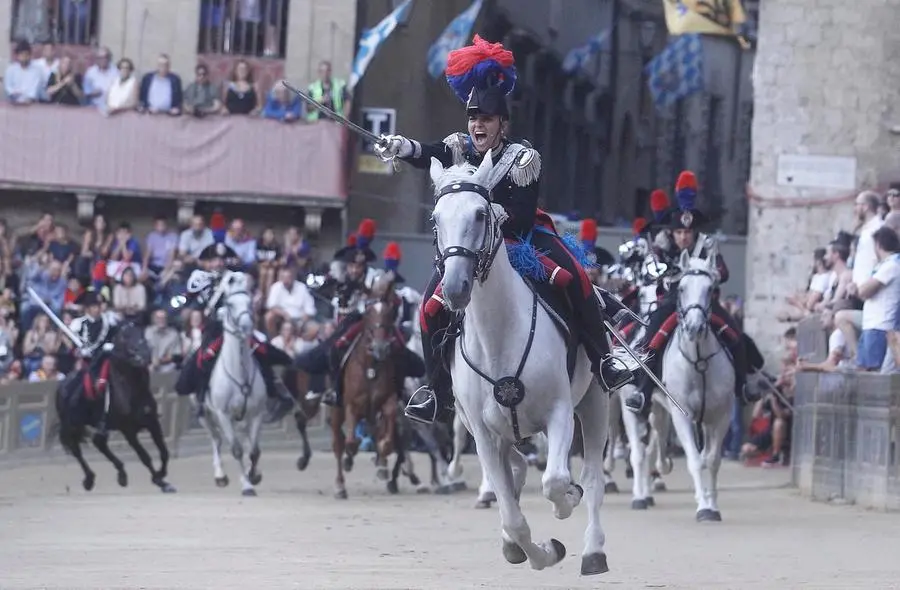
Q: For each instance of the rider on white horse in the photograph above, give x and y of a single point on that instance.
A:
(684, 221)
(202, 291)
(517, 192)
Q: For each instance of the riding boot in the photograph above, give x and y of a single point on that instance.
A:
(640, 400)
(434, 400)
(656, 337)
(333, 396)
(732, 337)
(282, 402)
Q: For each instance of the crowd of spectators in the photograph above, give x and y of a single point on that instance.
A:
(140, 280)
(116, 87)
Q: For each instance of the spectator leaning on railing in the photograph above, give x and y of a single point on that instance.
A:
(881, 296)
(202, 97)
(161, 90)
(100, 77)
(24, 80)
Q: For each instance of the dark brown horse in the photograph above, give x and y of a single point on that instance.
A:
(370, 380)
(132, 408)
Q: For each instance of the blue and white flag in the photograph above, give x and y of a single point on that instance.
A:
(677, 72)
(371, 39)
(454, 36)
(578, 56)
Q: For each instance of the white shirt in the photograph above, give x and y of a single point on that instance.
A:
(865, 260)
(297, 302)
(820, 282)
(192, 244)
(159, 96)
(120, 92)
(880, 311)
(25, 82)
(97, 79)
(837, 343)
(47, 67)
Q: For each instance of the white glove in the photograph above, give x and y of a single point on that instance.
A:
(85, 352)
(107, 347)
(394, 146)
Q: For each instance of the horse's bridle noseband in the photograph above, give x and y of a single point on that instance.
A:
(492, 237)
(706, 310)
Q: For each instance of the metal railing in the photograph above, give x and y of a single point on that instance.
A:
(244, 27)
(62, 22)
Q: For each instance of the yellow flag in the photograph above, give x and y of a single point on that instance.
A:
(708, 17)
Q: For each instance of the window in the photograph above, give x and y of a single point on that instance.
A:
(63, 22)
(244, 27)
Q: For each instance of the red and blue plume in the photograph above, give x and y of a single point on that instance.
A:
(589, 234)
(365, 233)
(481, 64)
(686, 190)
(351, 241)
(659, 203)
(638, 226)
(392, 256)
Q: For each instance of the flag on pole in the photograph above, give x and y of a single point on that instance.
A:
(371, 39)
(579, 56)
(677, 72)
(711, 17)
(454, 36)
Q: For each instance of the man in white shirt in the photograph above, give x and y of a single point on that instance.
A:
(288, 299)
(194, 240)
(99, 77)
(864, 261)
(881, 296)
(24, 80)
(48, 63)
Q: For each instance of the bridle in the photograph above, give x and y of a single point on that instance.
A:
(704, 308)
(492, 238)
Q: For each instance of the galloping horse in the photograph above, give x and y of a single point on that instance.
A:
(371, 378)
(237, 394)
(132, 408)
(699, 374)
(493, 362)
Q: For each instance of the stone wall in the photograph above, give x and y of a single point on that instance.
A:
(823, 85)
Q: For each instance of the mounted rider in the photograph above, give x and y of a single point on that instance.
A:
(683, 221)
(95, 329)
(203, 293)
(352, 284)
(482, 75)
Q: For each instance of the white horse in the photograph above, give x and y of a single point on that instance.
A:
(493, 361)
(699, 373)
(237, 394)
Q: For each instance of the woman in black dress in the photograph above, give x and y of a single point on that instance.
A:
(64, 87)
(241, 95)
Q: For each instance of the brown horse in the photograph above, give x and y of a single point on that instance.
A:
(370, 380)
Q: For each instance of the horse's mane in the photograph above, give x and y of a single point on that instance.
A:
(456, 173)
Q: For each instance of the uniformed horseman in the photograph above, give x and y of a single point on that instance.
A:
(95, 329)
(482, 75)
(202, 294)
(679, 227)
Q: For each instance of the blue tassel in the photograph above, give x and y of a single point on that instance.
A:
(523, 257)
(581, 254)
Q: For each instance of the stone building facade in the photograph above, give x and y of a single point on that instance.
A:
(824, 79)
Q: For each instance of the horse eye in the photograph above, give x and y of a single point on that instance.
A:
(480, 215)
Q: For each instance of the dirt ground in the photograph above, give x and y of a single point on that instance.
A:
(295, 535)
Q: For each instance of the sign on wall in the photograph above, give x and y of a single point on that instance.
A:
(380, 122)
(834, 172)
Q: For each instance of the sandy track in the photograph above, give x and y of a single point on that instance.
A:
(295, 535)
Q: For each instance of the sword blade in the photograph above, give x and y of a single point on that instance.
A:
(777, 393)
(637, 359)
(58, 322)
(332, 115)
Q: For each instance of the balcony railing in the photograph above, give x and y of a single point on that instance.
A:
(76, 149)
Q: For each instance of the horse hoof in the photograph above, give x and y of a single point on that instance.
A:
(707, 515)
(513, 554)
(255, 478)
(302, 463)
(249, 493)
(629, 473)
(382, 473)
(392, 487)
(660, 486)
(650, 501)
(167, 488)
(222, 482)
(340, 495)
(611, 487)
(639, 504)
(560, 550)
(414, 479)
(348, 464)
(594, 564)
(481, 504)
(458, 486)
(580, 490)
(88, 482)
(540, 465)
(423, 489)
(122, 478)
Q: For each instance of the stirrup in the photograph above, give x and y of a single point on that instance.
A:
(422, 406)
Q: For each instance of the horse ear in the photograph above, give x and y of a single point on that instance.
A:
(713, 255)
(436, 170)
(485, 168)
(685, 261)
